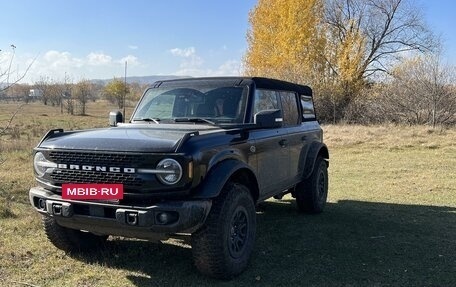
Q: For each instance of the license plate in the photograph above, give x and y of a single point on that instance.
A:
(92, 191)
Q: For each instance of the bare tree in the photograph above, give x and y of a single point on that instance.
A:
(423, 91)
(83, 93)
(6, 79)
(6, 82)
(389, 28)
(44, 84)
(19, 92)
(365, 39)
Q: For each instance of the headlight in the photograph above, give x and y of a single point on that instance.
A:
(41, 164)
(169, 171)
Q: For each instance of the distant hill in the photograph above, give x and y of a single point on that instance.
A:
(141, 80)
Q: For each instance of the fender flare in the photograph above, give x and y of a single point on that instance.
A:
(218, 176)
(315, 149)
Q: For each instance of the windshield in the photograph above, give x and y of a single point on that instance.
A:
(202, 104)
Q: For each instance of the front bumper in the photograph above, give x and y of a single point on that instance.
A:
(129, 221)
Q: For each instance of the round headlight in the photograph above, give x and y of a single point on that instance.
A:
(41, 164)
(169, 171)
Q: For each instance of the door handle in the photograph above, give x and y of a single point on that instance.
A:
(283, 143)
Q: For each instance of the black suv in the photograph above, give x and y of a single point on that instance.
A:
(196, 157)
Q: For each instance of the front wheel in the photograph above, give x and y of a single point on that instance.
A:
(71, 240)
(311, 193)
(223, 246)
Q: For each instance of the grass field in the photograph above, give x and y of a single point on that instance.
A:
(390, 220)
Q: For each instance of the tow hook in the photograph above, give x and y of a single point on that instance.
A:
(131, 218)
(57, 209)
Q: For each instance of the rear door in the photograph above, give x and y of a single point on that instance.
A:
(294, 136)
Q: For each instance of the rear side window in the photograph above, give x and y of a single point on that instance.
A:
(308, 112)
(265, 100)
(289, 108)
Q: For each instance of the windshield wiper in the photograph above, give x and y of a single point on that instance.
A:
(155, 120)
(194, 120)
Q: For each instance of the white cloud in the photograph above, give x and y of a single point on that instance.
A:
(133, 47)
(130, 59)
(186, 52)
(100, 65)
(228, 68)
(98, 59)
(191, 63)
(57, 60)
(56, 64)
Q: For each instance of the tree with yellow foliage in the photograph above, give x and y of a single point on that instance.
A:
(115, 92)
(334, 45)
(285, 42)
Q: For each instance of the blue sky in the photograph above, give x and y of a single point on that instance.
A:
(93, 39)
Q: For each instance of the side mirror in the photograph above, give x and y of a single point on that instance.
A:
(268, 119)
(115, 117)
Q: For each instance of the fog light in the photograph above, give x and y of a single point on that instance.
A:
(168, 217)
(42, 204)
(163, 218)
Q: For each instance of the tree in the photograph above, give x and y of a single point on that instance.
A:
(136, 90)
(6, 79)
(83, 93)
(7, 82)
(115, 92)
(378, 33)
(423, 91)
(285, 40)
(44, 85)
(388, 28)
(19, 92)
(337, 46)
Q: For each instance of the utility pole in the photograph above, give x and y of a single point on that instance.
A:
(125, 91)
(63, 93)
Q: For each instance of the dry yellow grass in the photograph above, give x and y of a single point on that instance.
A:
(390, 136)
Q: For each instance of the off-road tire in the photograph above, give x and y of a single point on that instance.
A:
(223, 246)
(311, 193)
(71, 240)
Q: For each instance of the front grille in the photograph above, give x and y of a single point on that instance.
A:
(82, 176)
(119, 160)
(111, 159)
(76, 166)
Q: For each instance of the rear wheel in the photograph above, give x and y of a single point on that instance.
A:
(71, 240)
(311, 193)
(222, 247)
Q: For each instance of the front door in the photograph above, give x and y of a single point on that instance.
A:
(271, 151)
(271, 147)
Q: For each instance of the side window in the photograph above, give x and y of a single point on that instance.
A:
(265, 100)
(290, 108)
(308, 112)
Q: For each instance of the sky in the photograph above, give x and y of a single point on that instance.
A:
(93, 39)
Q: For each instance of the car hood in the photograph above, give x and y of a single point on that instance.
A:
(129, 138)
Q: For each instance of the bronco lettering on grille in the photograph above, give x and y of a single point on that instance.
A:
(97, 168)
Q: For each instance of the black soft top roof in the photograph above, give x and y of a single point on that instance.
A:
(260, 83)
